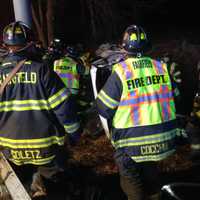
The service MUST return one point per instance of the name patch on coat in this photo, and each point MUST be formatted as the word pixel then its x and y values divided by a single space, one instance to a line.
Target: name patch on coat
pixel 154 148
pixel 145 81
pixel 25 154
pixel 21 77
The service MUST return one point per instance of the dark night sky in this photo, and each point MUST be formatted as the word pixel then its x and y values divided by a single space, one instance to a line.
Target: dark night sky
pixel 6 14
pixel 177 21
pixel 174 18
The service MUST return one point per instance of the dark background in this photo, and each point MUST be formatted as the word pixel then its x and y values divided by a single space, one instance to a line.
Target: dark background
pixel 169 19
pixel 6 14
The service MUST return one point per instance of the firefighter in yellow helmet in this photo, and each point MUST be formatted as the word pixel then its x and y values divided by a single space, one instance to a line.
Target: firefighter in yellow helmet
pixel 36 111
pixel 138 101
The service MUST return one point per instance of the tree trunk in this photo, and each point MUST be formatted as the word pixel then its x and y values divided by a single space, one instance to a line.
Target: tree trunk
pixel 37 21
pixel 43 17
pixel 50 20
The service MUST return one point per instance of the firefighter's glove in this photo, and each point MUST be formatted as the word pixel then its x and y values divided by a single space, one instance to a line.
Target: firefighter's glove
pixel 175 72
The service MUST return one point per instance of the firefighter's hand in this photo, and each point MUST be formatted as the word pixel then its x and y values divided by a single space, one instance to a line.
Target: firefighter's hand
pixel 174 69
pixel 175 72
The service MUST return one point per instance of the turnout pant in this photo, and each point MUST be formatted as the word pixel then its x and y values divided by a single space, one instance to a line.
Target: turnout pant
pixel 139 181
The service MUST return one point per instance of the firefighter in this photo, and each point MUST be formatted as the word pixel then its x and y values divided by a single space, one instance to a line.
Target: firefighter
pixel 138 102
pixel 55 51
pixel 36 112
pixel 70 69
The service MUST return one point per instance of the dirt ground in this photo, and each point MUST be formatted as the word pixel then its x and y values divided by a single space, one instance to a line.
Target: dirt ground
pixel 98 154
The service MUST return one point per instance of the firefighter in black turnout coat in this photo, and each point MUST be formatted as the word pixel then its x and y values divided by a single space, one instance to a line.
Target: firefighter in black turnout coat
pixel 35 110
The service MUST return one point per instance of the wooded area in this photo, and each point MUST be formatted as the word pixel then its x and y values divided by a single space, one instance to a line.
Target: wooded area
pixel 96 21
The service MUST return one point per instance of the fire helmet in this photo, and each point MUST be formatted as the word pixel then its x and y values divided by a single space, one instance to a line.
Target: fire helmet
pixel 57 46
pixel 135 40
pixel 17 33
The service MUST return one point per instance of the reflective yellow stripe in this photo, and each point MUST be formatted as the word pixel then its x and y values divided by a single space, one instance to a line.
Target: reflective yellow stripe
pixel 23 105
pixel 8 63
pixel 108 101
pixel 28 62
pixel 33 161
pixel 31 143
pixel 145 140
pixel 72 128
pixel 58 101
pixel 58 98
pixel 152 157
pixel 41 104
pixel 21 102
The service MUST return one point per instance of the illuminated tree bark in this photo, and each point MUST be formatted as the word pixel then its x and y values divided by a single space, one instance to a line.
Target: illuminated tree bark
pixel 50 20
pixel 43 15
